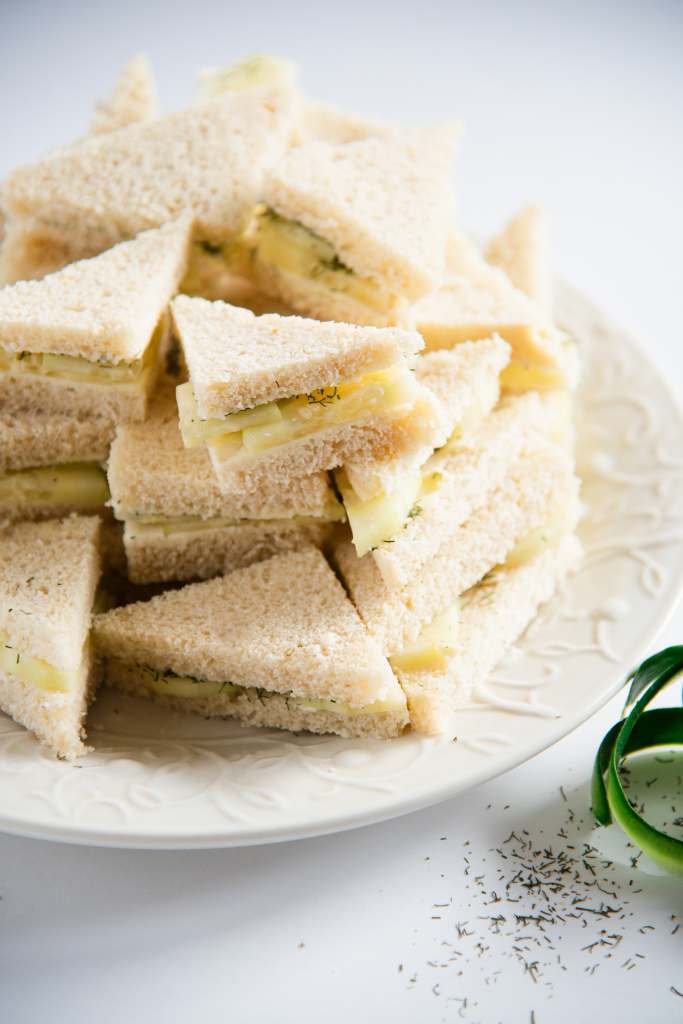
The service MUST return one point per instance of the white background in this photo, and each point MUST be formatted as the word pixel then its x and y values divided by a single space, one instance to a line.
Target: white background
pixel 579 105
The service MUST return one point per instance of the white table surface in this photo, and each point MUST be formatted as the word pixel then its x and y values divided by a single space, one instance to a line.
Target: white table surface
pixel 578 105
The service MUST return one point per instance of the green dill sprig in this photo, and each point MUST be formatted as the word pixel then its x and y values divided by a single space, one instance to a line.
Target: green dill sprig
pixel 324 396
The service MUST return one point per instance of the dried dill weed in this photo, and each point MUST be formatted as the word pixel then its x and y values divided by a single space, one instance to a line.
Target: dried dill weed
pixel 556 910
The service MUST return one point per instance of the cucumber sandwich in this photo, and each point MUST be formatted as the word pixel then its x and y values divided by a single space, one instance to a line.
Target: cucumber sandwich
pixel 286 395
pixel 48 674
pixel 88 340
pixel 382 495
pixel 353 231
pixel 477 300
pixel 275 644
pixel 456 598
pixel 178 525
pixel 531 496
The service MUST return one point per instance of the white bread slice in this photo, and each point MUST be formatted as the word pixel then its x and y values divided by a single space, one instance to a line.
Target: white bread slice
pixel 31 441
pixel 102 308
pixel 284 626
pixel 521 250
pixel 209 159
pixel 152 473
pixel 466 384
pixel 322 122
pixel 133 99
pixel 468 474
pixel 383 203
pixel 493 616
pixel 153 555
pixel 55 396
pixel 305 295
pixel 236 360
pixel 560 414
pixel 48 576
pixel 538 485
pixel 29 251
pixel 478 300
pixel 34 438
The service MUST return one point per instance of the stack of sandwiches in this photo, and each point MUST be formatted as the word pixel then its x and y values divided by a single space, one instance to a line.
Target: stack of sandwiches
pixel 249 357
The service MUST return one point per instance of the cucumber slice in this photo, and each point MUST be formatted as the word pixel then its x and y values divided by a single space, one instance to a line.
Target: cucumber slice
pixel 434 646
pixel 167 684
pixel 292 247
pixel 35 671
pixel 197 431
pixel 79 485
pixel 378 519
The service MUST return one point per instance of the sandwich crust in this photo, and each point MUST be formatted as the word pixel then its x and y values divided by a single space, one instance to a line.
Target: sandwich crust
pixel 34 438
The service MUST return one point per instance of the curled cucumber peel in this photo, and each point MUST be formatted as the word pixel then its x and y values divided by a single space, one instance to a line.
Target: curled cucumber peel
pixel 640 730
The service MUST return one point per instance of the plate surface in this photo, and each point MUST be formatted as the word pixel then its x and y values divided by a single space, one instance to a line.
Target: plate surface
pixel 161 780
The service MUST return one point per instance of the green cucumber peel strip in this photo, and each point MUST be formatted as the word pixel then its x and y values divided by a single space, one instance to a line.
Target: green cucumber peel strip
pixel 640 730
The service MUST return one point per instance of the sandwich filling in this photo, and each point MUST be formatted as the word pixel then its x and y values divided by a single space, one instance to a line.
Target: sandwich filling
pixel 241 436
pixel 210 262
pixel 161 526
pixel 168 684
pixel 521 375
pixel 290 246
pixel 37 672
pixel 134 376
pixel 378 519
pixel 538 351
pixel 549 534
pixel 434 647
pixel 81 485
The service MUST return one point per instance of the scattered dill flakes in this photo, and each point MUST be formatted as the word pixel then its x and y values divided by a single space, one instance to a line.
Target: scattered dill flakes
pixel 545 903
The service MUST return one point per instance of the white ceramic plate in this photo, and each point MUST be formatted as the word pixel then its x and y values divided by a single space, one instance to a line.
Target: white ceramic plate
pixel 161 780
